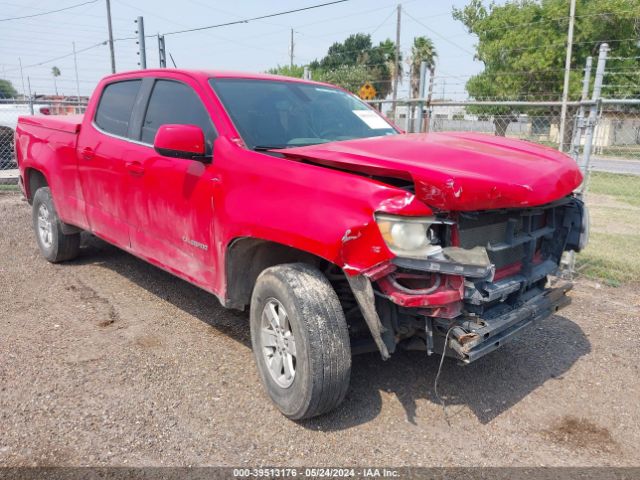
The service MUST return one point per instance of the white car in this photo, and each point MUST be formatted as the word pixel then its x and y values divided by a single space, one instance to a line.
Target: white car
pixel 9 113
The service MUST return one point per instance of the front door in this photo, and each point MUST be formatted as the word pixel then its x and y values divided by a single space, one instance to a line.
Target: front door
pixel 171 198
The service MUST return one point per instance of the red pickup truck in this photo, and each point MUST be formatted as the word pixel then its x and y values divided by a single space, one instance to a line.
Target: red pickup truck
pixel 295 199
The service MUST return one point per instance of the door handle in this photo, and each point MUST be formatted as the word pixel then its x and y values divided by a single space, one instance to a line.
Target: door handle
pixel 87 154
pixel 135 168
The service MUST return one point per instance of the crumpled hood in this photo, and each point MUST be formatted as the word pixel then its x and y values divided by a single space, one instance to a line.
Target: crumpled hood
pixel 456 171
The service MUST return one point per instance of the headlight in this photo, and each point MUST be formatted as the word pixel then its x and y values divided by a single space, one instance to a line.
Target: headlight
pixel 410 236
pixel 584 231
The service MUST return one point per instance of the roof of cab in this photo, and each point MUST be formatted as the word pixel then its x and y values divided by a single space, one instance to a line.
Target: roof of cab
pixel 207 74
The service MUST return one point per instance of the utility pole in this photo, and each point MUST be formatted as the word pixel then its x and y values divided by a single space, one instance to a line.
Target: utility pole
pixel 291 50
pixel 24 91
pixel 142 51
pixel 397 64
pixel 162 52
pixel 567 70
pixel 75 66
pixel 113 54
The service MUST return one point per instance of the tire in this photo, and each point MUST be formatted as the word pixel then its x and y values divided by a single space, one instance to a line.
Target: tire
pixel 315 320
pixel 54 245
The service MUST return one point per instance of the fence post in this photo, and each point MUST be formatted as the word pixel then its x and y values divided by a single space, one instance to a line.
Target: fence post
pixel 421 88
pixel 578 128
pixel 570 259
pixel 593 115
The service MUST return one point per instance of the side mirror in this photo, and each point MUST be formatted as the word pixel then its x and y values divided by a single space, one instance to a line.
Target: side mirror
pixel 181 141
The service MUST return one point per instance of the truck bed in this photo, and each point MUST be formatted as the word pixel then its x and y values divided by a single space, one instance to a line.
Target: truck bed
pixel 62 123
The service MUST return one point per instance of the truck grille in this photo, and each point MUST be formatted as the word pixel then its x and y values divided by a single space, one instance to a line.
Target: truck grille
pixel 483 229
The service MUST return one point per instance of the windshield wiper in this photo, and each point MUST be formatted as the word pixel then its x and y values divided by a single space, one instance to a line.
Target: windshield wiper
pixel 266 148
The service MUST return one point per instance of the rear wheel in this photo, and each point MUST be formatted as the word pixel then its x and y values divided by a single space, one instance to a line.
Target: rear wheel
pixel 54 245
pixel 300 340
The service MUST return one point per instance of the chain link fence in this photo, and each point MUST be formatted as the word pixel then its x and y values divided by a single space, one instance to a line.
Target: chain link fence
pixel 602 135
pixel 10 110
pixel 605 146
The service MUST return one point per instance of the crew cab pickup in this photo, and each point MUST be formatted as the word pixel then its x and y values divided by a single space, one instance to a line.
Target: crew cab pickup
pixel 296 200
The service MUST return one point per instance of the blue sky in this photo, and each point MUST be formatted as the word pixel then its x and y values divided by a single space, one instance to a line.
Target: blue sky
pixel 253 46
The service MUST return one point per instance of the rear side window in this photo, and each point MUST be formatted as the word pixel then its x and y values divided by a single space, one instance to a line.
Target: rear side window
pixel 116 105
pixel 177 103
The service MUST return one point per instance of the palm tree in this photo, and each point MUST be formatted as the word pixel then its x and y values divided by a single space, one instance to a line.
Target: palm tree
pixel 55 71
pixel 388 48
pixel 422 50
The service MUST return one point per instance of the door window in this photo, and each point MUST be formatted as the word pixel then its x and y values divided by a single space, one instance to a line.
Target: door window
pixel 176 103
pixel 116 105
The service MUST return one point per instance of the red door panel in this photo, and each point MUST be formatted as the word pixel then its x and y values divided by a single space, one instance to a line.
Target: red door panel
pixel 171 210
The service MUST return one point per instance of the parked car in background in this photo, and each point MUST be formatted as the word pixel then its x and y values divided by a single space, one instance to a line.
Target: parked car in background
pixel 9 113
pixel 298 201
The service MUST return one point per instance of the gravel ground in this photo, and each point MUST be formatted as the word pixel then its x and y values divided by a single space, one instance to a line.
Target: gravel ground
pixel 109 361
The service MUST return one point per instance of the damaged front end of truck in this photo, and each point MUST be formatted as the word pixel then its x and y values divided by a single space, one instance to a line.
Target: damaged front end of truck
pixel 474 279
pixel 464 247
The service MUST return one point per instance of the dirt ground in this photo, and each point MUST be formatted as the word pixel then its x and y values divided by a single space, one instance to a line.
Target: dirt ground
pixel 109 361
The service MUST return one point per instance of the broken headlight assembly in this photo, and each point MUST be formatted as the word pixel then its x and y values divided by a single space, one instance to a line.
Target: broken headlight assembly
pixel 411 236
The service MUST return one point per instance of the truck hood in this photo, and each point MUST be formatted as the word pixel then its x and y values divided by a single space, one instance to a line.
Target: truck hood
pixel 455 171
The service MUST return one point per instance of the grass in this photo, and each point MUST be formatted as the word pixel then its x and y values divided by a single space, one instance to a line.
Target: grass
pixel 613 259
pixel 613 254
pixel 9 188
pixel 624 152
pixel 625 188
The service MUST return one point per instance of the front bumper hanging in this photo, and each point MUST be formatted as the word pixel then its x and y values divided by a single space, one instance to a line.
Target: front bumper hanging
pixel 472 338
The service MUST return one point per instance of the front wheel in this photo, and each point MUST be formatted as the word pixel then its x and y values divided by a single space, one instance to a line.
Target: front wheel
pixel 300 340
pixel 54 245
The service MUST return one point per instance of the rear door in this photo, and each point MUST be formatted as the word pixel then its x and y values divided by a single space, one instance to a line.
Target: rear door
pixel 101 162
pixel 171 198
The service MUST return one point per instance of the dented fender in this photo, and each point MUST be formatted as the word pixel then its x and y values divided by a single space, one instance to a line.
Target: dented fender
pixel 362 246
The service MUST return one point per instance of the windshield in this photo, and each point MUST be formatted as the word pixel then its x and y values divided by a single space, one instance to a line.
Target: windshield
pixel 281 114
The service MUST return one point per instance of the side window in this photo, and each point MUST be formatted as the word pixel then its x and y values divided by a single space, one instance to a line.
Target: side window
pixel 175 102
pixel 116 105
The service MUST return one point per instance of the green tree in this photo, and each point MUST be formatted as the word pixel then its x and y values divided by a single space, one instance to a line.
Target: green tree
pixel 356 55
pixel 7 90
pixel 349 77
pixel 55 71
pixel 522 46
pixel 288 71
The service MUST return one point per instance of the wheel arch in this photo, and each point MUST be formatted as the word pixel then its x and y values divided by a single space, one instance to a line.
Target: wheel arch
pixel 247 257
pixel 34 179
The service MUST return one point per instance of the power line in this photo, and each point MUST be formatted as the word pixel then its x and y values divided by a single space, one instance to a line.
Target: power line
pixel 47 13
pixel 261 17
pixel 438 34
pixel 60 57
